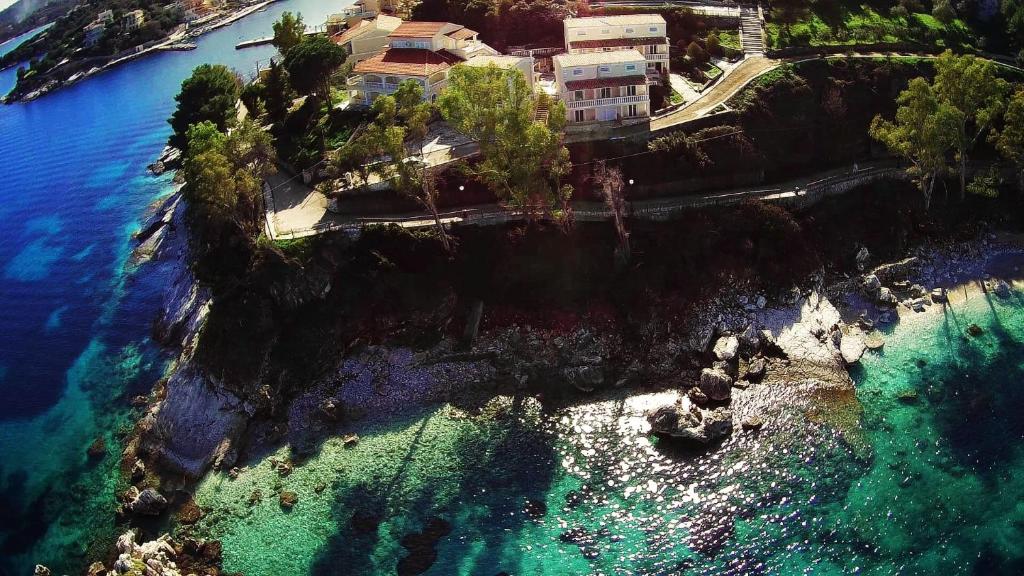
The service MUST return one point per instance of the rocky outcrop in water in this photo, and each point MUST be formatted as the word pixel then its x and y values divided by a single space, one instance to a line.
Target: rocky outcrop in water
pixel 161 557
pixel 687 422
pixel 195 426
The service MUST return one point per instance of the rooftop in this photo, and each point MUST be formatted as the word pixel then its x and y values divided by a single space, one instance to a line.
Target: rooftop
pixel 621 20
pixel 382 22
pixel 407 62
pixel 420 29
pixel 461 34
pixel 596 58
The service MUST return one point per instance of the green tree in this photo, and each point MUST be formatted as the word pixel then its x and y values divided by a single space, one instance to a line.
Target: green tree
pixel 223 175
pixel 289 32
pixel 969 85
pixel 1010 140
pixel 311 63
pixel 695 53
pixel 402 117
pixel 713 44
pixel 922 132
pixel 277 92
pixel 211 93
pixel 521 160
pixel 943 12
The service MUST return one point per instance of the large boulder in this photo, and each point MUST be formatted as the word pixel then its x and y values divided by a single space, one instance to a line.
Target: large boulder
pixel 852 347
pixel 149 502
pixel 756 369
pixel 726 348
pixel 886 297
pixel 715 384
pixel 690 424
pixel 871 285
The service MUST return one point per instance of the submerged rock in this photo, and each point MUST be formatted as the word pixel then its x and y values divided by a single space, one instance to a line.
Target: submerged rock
pixel 422 547
pixel 288 499
pixel 975 330
pixel 97 449
pixel 41 570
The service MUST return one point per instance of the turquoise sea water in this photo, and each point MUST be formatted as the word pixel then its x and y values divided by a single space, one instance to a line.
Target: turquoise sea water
pixel 76 318
pixel 923 485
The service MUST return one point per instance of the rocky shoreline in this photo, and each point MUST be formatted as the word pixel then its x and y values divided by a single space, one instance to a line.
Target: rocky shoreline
pixel 739 353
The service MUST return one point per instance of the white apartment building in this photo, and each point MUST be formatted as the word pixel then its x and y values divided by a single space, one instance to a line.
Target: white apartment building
pixel 133 20
pixel 419 51
pixel 603 86
pixel 646 33
pixel 366 37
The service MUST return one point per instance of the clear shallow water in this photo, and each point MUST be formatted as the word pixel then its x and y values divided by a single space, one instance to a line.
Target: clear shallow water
pixel 883 486
pixel 74 328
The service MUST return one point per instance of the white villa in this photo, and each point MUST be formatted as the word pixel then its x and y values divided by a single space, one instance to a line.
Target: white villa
pixel 133 20
pixel 603 86
pixel 646 33
pixel 420 51
pixel 366 37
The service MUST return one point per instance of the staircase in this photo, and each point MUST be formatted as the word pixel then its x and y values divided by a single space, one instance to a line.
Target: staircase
pixel 751 36
pixel 542 112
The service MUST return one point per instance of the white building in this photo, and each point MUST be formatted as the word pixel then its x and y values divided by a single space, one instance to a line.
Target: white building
pixel 603 86
pixel 366 37
pixel 522 63
pixel 646 33
pixel 419 51
pixel 107 17
pixel 132 20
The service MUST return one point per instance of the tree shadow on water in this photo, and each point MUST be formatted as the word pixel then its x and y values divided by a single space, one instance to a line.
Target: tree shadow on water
pixel 488 470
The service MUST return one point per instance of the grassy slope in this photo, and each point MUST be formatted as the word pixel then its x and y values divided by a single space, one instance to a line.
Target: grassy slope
pixel 864 25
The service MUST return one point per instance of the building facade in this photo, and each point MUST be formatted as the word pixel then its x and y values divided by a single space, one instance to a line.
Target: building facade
pixel 603 86
pixel 420 51
pixel 133 20
pixel 94 32
pixel 645 33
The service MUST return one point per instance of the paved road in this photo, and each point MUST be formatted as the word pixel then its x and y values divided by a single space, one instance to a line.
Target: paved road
pixel 306 216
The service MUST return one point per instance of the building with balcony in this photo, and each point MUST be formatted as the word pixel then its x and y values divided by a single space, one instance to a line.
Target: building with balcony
pixel 420 51
pixel 603 86
pixel 133 20
pixel 646 33
pixel 106 17
pixel 366 37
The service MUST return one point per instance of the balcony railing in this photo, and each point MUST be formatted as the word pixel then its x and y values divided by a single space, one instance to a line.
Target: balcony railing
pixel 656 56
pixel 574 104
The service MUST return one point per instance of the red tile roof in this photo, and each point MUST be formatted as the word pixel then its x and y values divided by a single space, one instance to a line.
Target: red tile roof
pixel 342 37
pixel 407 62
pixel 613 42
pixel 418 29
pixel 461 34
pixel 603 82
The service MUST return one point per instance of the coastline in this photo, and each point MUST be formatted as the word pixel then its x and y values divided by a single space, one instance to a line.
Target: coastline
pixel 218 440
pixel 162 45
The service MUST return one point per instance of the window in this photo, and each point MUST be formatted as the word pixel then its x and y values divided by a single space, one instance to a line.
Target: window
pixel 604 69
pixel 577 72
pixel 606 92
pixel 630 90
pixel 577 95
pixel 629 30
pixel 605 31
pixel 630 67
pixel 578 116
pixel 581 33
pixel 653 28
pixel 631 110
